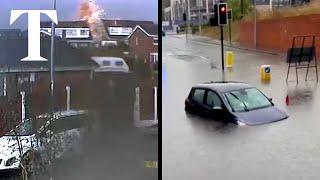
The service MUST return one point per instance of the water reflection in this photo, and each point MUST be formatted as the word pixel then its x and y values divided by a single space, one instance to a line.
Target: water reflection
pixel 299 95
pixel 211 125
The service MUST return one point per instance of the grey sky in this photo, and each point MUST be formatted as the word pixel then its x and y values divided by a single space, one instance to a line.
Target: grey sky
pixel 68 10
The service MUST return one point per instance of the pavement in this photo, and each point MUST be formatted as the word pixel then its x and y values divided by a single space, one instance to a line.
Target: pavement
pixel 197 148
pixel 207 40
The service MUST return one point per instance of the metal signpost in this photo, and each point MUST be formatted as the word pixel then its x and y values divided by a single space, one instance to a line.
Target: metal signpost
pixel 222 54
pixel 230 20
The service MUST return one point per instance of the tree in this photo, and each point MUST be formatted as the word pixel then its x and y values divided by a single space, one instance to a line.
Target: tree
pixel 235 5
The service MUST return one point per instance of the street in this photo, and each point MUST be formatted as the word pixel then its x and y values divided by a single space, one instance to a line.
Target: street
pixel 198 148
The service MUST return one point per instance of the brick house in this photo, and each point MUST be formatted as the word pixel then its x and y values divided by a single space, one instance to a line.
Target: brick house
pixel 77 33
pixel 72 68
pixel 143 44
pixel 109 92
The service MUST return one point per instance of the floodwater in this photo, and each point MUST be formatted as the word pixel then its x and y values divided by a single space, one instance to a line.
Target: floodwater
pixel 198 148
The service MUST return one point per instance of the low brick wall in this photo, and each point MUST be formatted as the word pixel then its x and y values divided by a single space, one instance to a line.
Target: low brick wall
pixel 277 34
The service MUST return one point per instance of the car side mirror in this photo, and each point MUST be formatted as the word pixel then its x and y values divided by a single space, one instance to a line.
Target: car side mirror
pixel 217 108
pixel 270 99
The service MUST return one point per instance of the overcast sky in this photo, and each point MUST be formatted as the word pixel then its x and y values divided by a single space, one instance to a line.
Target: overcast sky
pixel 69 10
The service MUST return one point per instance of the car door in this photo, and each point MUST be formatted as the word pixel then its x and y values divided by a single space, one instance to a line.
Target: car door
pixel 198 100
pixel 213 105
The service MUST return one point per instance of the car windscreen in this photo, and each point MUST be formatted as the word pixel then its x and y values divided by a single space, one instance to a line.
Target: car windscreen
pixel 106 63
pixel 247 99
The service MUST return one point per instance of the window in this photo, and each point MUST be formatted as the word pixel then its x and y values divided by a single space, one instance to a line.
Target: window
pixel 59 32
pixel 119 63
pixel 106 63
pixel 155 41
pixel 84 32
pixel 154 57
pixel 198 95
pixel 71 32
pixel 137 41
pixel 74 45
pixel 2 84
pixel 213 100
pixel 83 45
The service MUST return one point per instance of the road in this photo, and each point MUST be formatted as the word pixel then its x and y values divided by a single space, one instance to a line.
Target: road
pixel 197 148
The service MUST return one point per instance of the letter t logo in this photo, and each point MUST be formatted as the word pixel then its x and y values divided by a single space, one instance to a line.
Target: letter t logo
pixel 33 30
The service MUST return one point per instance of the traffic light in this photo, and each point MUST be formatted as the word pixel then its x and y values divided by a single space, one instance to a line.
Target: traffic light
pixel 214 18
pixel 222 14
pixel 230 14
pixel 184 17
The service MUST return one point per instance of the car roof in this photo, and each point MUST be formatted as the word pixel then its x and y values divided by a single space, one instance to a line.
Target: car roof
pixel 223 86
pixel 104 58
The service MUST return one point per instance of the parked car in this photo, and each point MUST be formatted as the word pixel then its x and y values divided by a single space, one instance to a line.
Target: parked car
pixel 66 128
pixel 233 102
pixel 111 64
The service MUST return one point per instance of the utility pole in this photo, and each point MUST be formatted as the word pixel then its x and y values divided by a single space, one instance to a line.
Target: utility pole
pixel 53 32
pixel 229 32
pixel 199 4
pixel 207 10
pixel 189 16
pixel 199 20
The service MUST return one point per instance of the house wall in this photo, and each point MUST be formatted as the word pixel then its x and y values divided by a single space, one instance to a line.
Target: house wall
pixel 277 34
pixel 142 50
pixel 111 94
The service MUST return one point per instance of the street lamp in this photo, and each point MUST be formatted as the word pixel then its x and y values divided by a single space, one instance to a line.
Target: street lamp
pixel 53 32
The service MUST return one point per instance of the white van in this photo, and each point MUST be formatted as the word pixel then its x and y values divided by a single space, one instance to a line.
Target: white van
pixel 110 64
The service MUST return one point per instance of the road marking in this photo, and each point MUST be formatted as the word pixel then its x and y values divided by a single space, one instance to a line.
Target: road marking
pixel 204 58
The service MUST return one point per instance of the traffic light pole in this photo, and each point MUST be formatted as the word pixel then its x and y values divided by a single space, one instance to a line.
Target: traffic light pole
pixel 229 32
pixel 222 54
pixel 185 29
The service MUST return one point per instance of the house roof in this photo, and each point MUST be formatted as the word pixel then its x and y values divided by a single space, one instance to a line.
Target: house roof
pixel 148 25
pixel 65 24
pixel 10 33
pixel 107 23
pixel 149 30
pixel 125 23
pixel 12 50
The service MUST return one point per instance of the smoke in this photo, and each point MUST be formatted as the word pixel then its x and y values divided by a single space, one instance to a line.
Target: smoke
pixel 93 15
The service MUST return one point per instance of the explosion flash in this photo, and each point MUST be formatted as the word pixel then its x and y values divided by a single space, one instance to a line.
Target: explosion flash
pixel 93 14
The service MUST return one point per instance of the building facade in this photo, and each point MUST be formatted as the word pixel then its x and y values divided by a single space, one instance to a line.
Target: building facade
pixel 77 33
pixel 143 44
pixel 200 10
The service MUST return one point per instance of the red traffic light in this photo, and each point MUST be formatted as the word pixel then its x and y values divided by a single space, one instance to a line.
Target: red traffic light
pixel 223 9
